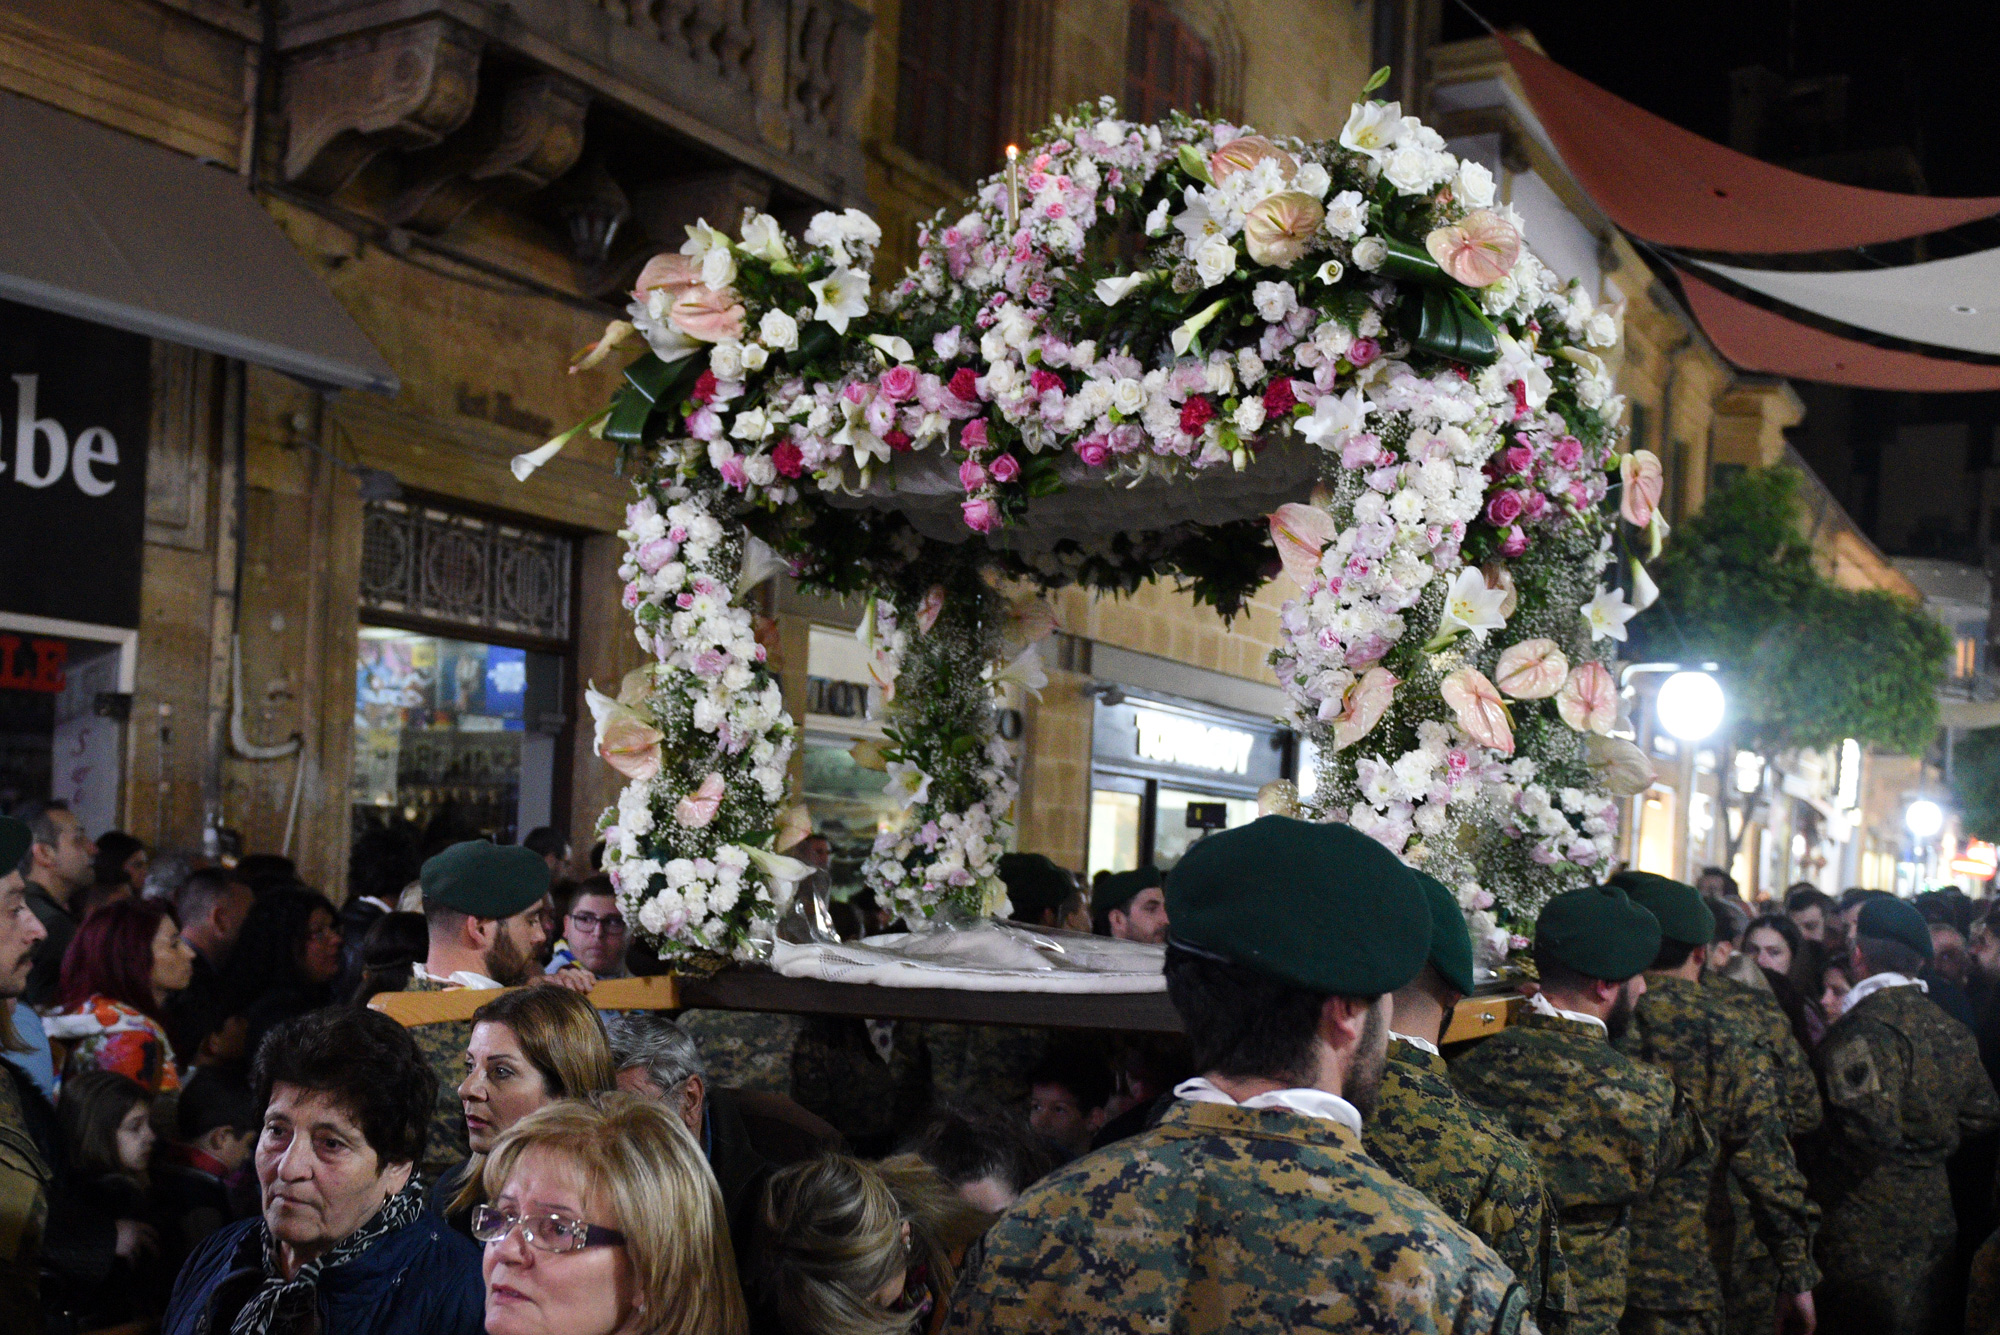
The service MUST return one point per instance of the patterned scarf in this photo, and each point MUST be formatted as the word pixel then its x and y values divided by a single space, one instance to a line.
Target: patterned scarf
pixel 277 1292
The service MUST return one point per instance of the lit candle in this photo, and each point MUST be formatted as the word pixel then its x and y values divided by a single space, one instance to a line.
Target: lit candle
pixel 1013 188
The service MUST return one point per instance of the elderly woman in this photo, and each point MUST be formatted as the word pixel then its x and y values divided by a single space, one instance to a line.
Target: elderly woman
pixel 604 1218
pixel 344 1243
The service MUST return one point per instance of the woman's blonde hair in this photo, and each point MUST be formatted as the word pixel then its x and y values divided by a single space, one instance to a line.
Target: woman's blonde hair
pixel 829 1236
pixel 562 1037
pixel 663 1199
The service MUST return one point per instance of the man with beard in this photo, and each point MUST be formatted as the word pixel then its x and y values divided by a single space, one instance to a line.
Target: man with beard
pixel 1606 1129
pixel 483 909
pixel 24 1173
pixel 1252 1207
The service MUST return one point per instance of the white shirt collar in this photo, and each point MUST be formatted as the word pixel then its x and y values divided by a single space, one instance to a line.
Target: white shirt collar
pixel 1879 982
pixel 1307 1102
pixel 1421 1044
pixel 1541 1005
pixel 458 978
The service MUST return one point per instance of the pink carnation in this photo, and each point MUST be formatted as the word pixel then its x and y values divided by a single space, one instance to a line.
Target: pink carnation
pixel 1568 453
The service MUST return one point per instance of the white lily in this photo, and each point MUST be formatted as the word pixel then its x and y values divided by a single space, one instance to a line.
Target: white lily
pixel 908 784
pixel 1470 605
pixel 711 248
pixel 898 348
pixel 759 564
pixel 1025 671
pixel 1373 128
pixel 842 295
pixel 854 434
pixel 1111 291
pixel 764 239
pixel 1334 418
pixel 1607 613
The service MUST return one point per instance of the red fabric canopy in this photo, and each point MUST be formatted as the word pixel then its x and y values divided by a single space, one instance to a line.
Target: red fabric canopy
pixel 1760 340
pixel 1662 183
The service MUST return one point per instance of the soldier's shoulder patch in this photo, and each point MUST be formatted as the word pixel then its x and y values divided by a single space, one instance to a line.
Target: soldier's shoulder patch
pixel 1851 1073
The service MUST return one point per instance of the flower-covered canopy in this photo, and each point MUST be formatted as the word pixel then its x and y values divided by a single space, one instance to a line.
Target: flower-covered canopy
pixel 1172 350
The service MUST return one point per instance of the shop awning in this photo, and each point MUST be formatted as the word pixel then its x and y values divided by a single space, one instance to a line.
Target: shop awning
pixel 114 230
pixel 1765 341
pixel 1674 188
pixel 1951 303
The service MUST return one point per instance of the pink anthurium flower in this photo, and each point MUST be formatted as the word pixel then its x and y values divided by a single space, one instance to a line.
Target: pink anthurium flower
pixel 1623 769
pixel 1030 620
pixel 1302 533
pixel 625 739
pixel 1478 250
pixel 1531 670
pixel 1480 710
pixel 1246 151
pixel 1644 480
pixel 1278 230
pixel 1367 699
pixel 698 808
pixel 930 608
pixel 1588 701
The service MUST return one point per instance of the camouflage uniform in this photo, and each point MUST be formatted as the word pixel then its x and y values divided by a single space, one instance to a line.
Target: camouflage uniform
pixel 1462 1156
pixel 1239 1220
pixel 1683 1238
pixel 1607 1129
pixel 1903 1086
pixel 745 1049
pixel 25 1184
pixel 443 1045
pixel 839 1074
pixel 984 1062
pixel 1982 1297
pixel 1749 1275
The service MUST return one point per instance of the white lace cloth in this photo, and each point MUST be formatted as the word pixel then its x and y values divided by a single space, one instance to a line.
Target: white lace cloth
pixel 998 957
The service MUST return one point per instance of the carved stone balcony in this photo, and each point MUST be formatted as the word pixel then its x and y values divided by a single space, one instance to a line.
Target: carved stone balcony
pixel 656 111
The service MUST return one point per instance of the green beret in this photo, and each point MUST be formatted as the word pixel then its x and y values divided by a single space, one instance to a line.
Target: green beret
pixel 1121 888
pixel 1892 919
pixel 14 840
pixel 1684 918
pixel 486 880
pixel 1599 932
pixel 1033 883
pixel 1451 943
pixel 1319 906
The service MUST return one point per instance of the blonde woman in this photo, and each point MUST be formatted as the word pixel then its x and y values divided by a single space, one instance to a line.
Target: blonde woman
pixel 528 1048
pixel 604 1218
pixel 843 1247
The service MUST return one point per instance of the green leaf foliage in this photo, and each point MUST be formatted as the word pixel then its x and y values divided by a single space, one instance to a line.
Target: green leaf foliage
pixel 1805 662
pixel 1976 782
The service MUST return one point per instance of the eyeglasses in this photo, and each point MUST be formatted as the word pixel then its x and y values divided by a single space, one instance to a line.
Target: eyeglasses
pixel 611 924
pixel 543 1232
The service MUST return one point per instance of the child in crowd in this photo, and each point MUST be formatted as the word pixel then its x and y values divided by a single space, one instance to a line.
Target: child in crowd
pixel 218 1129
pixel 101 1261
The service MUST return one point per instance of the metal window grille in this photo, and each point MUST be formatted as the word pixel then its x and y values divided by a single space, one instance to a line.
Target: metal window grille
pixel 420 560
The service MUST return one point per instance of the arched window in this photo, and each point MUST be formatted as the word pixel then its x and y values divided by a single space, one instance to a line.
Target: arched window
pixel 951 81
pixel 1167 67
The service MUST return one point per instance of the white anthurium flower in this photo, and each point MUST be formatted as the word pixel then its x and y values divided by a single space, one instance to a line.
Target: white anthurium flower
pixel 759 564
pixel 898 348
pixel 1644 592
pixel 1184 333
pixel 1334 418
pixel 1111 291
pixel 1025 671
pixel 908 784
pixel 1470 605
pixel 842 295
pixel 763 238
pixel 1373 128
pixel 711 249
pixel 1607 613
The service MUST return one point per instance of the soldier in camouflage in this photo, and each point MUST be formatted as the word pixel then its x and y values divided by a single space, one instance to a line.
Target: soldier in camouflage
pixel 1457 1153
pixel 1252 1208
pixel 1682 1239
pixel 1903 1087
pixel 1605 1128
pixel 745 1049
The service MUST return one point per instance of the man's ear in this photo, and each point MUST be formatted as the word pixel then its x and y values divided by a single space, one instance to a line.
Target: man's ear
pixel 478 934
pixel 1341 1021
pixel 693 1093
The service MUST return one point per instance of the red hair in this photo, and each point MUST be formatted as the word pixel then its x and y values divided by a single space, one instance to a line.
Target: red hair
pixel 111 955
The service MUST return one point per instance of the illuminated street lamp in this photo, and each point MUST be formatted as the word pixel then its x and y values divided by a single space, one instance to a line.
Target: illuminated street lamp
pixel 1923 818
pixel 1690 705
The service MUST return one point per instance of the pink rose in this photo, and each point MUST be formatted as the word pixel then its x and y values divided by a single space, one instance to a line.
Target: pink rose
pixel 1519 458
pixel 1503 509
pixel 1568 453
pixel 981 515
pixel 1363 351
pixel 1514 543
pixel 971 476
pixel 972 436
pixel 1093 450
pixel 1534 505
pixel 1005 469
pixel 898 383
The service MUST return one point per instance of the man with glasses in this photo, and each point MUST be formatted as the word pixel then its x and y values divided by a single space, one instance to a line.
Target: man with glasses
pixel 594 932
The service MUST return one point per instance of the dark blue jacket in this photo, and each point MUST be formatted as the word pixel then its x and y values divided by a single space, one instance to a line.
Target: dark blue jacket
pixel 419 1280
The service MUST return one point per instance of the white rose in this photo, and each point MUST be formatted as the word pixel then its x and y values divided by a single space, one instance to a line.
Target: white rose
pixel 1370 252
pixel 1347 215
pixel 726 360
pixel 1274 301
pixel 760 470
pixel 1129 397
pixel 1221 374
pixel 1214 260
pixel 1602 329
pixel 1474 187
pixel 754 356
pixel 778 330
pixel 1312 179
pixel 1410 169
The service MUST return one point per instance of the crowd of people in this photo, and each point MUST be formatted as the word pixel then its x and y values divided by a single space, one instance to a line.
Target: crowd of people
pixel 1709 1116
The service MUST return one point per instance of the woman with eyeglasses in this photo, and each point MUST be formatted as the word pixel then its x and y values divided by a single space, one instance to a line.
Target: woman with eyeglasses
pixel 603 1217
pixel 529 1048
pixel 285 961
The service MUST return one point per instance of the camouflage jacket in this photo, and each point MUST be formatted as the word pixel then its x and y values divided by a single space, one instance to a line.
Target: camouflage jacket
pixel 1605 1128
pixel 745 1049
pixel 1903 1086
pixel 1798 1087
pixel 984 1062
pixel 1239 1220
pixel 1462 1156
pixel 840 1075
pixel 25 1183
pixel 443 1045
pixel 1682 1239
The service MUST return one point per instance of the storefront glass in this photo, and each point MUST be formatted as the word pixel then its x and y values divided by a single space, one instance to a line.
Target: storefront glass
pixel 442 736
pixel 61 729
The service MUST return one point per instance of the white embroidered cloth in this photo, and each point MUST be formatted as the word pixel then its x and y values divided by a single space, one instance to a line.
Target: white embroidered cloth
pixel 997 957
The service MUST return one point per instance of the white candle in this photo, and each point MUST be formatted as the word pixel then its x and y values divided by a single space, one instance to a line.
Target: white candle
pixel 1013 189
